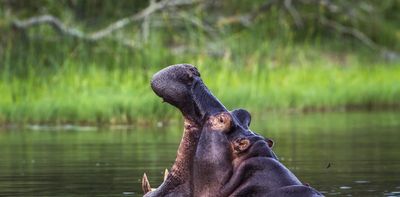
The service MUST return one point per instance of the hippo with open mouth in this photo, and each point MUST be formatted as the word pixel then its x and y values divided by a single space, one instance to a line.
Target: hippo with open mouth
pixel 218 155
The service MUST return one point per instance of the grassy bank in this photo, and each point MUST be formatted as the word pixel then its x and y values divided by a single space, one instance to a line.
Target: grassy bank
pixel 269 65
pixel 95 94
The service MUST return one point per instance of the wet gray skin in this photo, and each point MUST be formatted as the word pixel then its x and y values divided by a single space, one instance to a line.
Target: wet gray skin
pixel 218 155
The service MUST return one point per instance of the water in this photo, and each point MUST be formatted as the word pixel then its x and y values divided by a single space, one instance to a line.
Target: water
pixel 340 154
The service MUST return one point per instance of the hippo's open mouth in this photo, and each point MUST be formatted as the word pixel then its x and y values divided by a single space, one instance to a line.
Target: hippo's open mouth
pixel 181 86
pixel 218 155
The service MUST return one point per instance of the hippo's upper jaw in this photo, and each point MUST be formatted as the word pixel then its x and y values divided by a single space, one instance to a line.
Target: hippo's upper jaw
pixel 219 155
pixel 181 86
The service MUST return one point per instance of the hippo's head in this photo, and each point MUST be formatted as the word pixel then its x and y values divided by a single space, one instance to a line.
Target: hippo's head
pixel 219 155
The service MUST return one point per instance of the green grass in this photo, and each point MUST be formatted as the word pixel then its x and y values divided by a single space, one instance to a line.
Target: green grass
pixel 94 94
pixel 57 80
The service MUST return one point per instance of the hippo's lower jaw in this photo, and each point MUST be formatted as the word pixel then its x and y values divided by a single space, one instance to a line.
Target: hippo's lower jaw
pixel 218 155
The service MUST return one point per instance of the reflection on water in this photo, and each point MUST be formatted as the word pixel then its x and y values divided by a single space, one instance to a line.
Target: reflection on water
pixel 353 154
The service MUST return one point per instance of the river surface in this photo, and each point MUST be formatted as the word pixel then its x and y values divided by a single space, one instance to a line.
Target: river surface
pixel 340 154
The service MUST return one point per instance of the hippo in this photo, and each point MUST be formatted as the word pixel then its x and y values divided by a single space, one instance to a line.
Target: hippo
pixel 218 155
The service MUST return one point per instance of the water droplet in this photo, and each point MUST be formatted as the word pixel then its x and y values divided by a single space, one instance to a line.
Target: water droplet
pixel 128 193
pixel 361 181
pixel 345 187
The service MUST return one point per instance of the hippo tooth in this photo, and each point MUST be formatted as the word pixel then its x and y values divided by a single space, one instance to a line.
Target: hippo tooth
pixel 166 174
pixel 145 184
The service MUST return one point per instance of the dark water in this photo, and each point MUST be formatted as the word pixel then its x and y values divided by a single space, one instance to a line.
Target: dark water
pixel 362 150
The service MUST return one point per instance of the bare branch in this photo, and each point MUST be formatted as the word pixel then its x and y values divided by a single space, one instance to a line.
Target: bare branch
pixel 54 22
pixel 146 24
pixel 61 28
pixel 199 23
pixel 351 31
pixel 263 8
pixel 248 18
pixel 153 7
pixel 329 5
pixel 293 12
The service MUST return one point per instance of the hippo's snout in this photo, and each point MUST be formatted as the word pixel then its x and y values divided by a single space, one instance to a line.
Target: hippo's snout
pixel 173 76
pixel 173 84
pixel 181 86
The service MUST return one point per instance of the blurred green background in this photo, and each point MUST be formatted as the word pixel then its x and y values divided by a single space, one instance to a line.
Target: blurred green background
pixel 91 61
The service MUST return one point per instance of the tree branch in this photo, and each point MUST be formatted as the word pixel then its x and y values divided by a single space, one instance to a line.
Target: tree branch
pixel 248 18
pixel 293 12
pixel 61 28
pixel 51 20
pixel 153 7
pixel 198 23
pixel 351 31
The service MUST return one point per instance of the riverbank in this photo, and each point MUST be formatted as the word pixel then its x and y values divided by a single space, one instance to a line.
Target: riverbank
pixel 60 64
pixel 99 96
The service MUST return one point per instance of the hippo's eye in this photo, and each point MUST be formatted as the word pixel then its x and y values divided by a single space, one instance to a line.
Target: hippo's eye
pixel 221 122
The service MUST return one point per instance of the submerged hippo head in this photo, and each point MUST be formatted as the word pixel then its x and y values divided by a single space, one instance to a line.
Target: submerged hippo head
pixel 218 155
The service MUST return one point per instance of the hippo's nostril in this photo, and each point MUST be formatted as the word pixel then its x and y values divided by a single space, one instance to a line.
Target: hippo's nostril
pixel 269 142
pixel 190 76
pixel 192 72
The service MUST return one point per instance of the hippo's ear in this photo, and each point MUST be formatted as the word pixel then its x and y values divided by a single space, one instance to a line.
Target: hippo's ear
pixel 243 116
